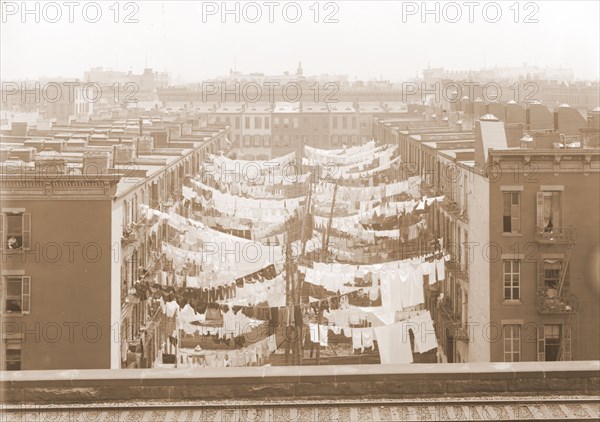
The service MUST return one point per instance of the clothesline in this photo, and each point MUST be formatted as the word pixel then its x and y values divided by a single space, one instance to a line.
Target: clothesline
pixel 367 193
pixel 223 199
pixel 247 356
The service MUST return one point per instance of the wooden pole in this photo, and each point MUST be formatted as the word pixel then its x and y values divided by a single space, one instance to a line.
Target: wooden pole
pixel 319 335
pixel 330 221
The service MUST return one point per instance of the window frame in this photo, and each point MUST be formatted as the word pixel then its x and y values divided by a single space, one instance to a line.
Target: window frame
pixel 513 217
pixel 543 341
pixel 513 340
pixel 25 295
pixel 12 344
pixel 24 234
pixel 513 284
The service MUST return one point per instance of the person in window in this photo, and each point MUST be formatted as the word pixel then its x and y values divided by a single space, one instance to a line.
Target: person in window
pixel 13 243
pixel 13 306
pixel 549 227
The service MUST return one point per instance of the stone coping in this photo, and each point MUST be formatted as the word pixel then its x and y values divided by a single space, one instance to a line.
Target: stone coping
pixel 294 382
pixel 499 370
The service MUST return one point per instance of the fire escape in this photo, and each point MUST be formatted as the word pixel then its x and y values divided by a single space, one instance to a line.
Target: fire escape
pixel 554 295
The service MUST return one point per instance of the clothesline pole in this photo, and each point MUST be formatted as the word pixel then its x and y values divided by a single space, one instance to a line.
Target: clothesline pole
pixel 330 222
pixel 288 298
pixel 319 335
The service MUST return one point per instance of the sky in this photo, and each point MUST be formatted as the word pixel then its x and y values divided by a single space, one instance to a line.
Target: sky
pixel 392 40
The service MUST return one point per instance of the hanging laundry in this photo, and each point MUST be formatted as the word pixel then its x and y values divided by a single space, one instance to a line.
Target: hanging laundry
pixel 367 338
pixel 423 331
pixel 394 347
pixel 171 308
pixel 324 335
pixel 357 339
pixel 314 332
pixel 440 267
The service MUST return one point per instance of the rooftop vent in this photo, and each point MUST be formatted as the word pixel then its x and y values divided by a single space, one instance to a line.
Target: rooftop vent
pixel 489 118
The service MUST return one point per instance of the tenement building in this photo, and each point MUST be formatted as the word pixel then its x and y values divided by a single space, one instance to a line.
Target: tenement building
pixel 519 223
pixel 81 223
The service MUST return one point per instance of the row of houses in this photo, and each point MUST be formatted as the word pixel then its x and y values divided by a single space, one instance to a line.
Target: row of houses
pixel 520 222
pixel 265 130
pixel 76 237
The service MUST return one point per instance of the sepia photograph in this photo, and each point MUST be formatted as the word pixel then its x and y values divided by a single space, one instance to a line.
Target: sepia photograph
pixel 299 211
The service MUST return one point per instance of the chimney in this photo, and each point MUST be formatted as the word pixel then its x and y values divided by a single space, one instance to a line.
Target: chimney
pixel 50 166
pixel 161 138
pixel 96 163
pixel 123 153
pixel 145 145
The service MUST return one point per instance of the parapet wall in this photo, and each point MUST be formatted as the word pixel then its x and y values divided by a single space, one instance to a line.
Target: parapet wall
pixel 301 383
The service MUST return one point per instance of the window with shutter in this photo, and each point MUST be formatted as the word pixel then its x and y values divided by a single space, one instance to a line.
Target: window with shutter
pixel 515 212
pixel 26 294
pixel 506 213
pixel 541 344
pixel 566 343
pixel 2 231
pixel 540 210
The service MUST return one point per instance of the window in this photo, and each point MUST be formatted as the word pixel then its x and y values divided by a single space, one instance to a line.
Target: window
pixel 257 122
pixel 353 122
pixel 512 279
pixel 247 141
pixel 325 123
pixel 548 210
pixel 335 123
pixel 17 294
pixel 344 122
pixel 551 276
pixel 335 140
pixel 267 140
pixel 286 140
pixel 13 355
pixel 286 123
pixel 276 122
pixel 512 343
pixel 549 343
pixel 257 140
pixel 237 122
pixel 247 122
pixel 511 212
pixel 276 140
pixel 266 123
pixel 295 121
pixel 15 231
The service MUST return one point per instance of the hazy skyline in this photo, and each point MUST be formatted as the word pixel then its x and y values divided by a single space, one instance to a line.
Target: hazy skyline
pixel 369 41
